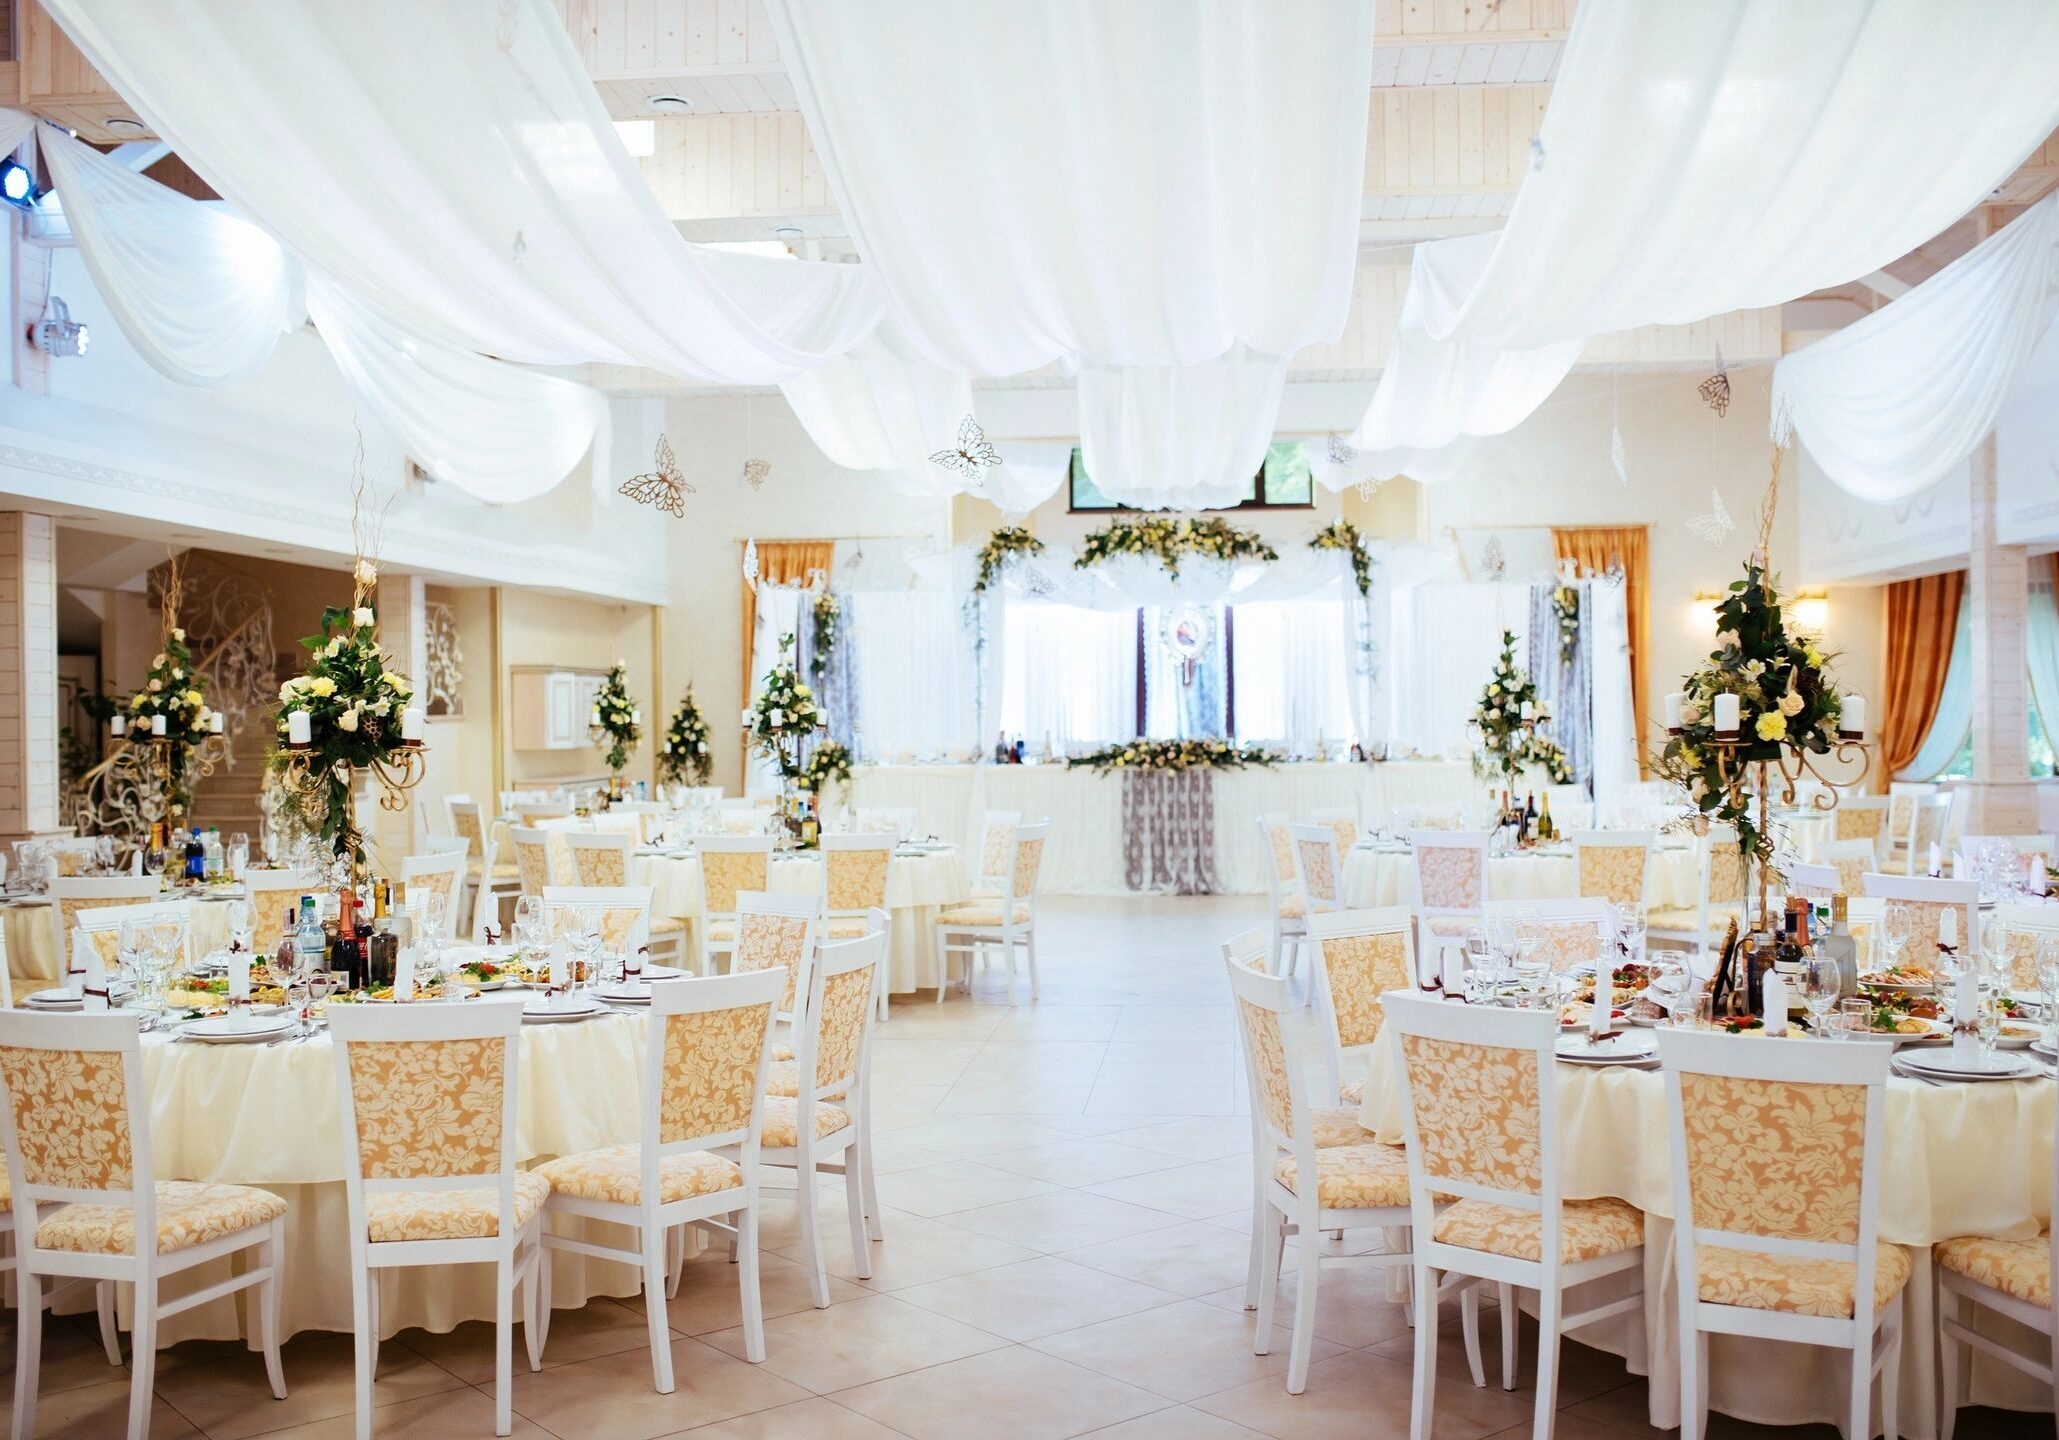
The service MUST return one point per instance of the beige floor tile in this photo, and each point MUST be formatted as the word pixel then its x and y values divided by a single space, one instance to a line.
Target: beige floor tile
pixel 600 1327
pixel 914 1252
pixel 1011 1097
pixel 1061 1220
pixel 1038 1297
pixel 1207 1095
pixel 1178 1422
pixel 1182 1351
pixel 1194 1191
pixel 610 1398
pixel 1204 1138
pixel 1044 1021
pixel 1161 1023
pixel 957 1185
pixel 1191 1260
pixel 1082 1160
pixel 859 1342
pixel 906 1107
pixel 1092 1126
pixel 1011 1394
pixel 708 1298
pixel 1584 1372
pixel 892 1150
pixel 1359 1394
pixel 433 1417
pixel 72 1356
pixel 231 1398
pixel 1351 1306
pixel 96 1412
pixel 973 1137
pixel 807 1420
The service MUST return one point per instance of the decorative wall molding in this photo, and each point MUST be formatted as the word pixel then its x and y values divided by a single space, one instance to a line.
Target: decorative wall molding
pixel 443 671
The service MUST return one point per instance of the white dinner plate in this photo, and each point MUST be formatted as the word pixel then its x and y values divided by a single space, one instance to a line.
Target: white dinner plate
pixel 232 1030
pixel 661 972
pixel 540 1011
pixel 1948 1064
pixel 1622 1047
pixel 624 994
pixel 54 1000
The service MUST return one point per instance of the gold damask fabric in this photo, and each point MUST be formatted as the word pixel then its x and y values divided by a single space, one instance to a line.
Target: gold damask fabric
pixel 1689 918
pixel 1477 1112
pixel 1029 858
pixel 850 927
pixel 1614 873
pixel 1336 1125
pixel 1797 1287
pixel 857 879
pixel 1352 1177
pixel 1282 840
pixel 615 1175
pixel 1728 878
pixel 1318 875
pixel 768 940
pixel 1775 1157
pixel 1361 969
pixel 268 912
pixel 1269 1062
pixel 617 922
pixel 982 915
pixel 69 906
pixel 435 883
pixel 1294 907
pixel 993 852
pixel 1852 871
pixel 711 1071
pixel 534 863
pixel 597 865
pixel 1921 952
pixel 783 1077
pixel 70 1116
pixel 724 872
pixel 1564 945
pixel 2022 947
pixel 1449 876
pixel 451 1214
pixel 846 1003
pixel 783 1122
pixel 2022 1268
pixel 1864 823
pixel 1588 1229
pixel 1352 1093
pixel 188 1214
pixel 428 1107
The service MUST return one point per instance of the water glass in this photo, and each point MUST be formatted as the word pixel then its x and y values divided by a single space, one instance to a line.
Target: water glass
pixel 1670 985
pixel 1987 1024
pixel 1855 1015
pixel 237 858
pixel 1897 927
pixel 1820 987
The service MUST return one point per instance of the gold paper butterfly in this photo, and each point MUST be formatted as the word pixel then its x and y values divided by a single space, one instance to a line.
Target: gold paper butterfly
pixel 665 487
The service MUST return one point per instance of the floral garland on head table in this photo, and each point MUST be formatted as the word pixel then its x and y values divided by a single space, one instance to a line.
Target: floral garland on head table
pixel 616 720
pixel 1343 535
pixel 1173 755
pixel 827 764
pixel 1168 540
pixel 784 713
pixel 1508 717
pixel 825 611
pixel 1002 546
pixel 686 758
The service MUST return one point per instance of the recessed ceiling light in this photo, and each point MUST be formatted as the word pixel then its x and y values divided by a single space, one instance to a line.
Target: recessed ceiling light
pixel 668 102
pixel 787 232
pixel 127 124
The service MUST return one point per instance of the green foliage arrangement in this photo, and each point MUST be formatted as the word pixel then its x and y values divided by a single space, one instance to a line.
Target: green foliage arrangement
pixel 1341 534
pixel 1170 540
pixel 615 718
pixel 1173 755
pixel 686 758
pixel 1509 717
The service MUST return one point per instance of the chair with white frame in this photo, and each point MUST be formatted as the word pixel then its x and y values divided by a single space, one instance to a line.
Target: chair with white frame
pixel 487 876
pixel 625 913
pixel 1926 900
pixel 778 930
pixel 997 833
pixel 76 1124
pixel 1904 799
pixel 1570 935
pixel 1359 955
pixel 601 858
pixel 855 870
pixel 1613 865
pixel 1863 817
pixel 1318 867
pixel 441 875
pixel 532 858
pixel 1926 837
pixel 1007 923
pixel 1853 860
pixel 1480 1110
pixel 1811 882
pixel 428 1101
pixel 2029 936
pixel 1808 1265
pixel 729 865
pixel 1451 885
pixel 704 1065
pixel 71 897
pixel 1286 906
pixel 1301 1186
pixel 274 896
pixel 824 1129
pixel 1721 884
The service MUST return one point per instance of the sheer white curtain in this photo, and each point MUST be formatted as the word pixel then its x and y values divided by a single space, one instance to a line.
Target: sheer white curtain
pixel 778 615
pixel 1293 670
pixel 1615 730
pixel 912 673
pixel 1445 640
pixel 1068 673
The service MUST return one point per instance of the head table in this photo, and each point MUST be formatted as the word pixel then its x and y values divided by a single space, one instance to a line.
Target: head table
pixel 1968 1159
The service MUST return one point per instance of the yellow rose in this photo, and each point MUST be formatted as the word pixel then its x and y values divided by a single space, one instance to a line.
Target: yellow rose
pixel 322 686
pixel 193 698
pixel 1772 725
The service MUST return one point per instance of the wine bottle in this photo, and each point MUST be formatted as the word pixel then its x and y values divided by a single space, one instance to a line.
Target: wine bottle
pixel 1839 946
pixel 382 947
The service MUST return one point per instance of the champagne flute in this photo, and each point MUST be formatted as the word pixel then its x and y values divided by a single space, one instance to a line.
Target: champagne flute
pixel 1671 982
pixel 241 919
pixel 1897 926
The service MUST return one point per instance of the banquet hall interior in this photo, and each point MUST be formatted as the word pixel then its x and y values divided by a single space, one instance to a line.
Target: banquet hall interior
pixel 1179 720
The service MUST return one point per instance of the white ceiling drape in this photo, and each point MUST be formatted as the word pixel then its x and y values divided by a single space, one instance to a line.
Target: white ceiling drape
pixel 1149 185
pixel 1892 403
pixel 1180 436
pixel 455 161
pixel 1698 159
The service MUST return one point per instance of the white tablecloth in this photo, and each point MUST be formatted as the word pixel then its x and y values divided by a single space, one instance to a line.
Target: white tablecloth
pixel 32 948
pixel 1388 877
pixel 1961 1160
pixel 1084 854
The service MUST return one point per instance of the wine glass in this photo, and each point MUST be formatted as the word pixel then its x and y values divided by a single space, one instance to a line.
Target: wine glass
pixel 240 918
pixel 1897 927
pixel 237 857
pixel 1987 1024
pixel 588 931
pixel 1670 984
pixel 1821 987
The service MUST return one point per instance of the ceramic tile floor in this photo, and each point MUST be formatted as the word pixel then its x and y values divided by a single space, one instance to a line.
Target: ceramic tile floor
pixel 1066 1188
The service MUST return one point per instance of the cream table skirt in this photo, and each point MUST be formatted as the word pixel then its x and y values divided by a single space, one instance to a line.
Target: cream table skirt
pixel 1961 1160
pixel 269 1116
pixel 32 947
pixel 1379 876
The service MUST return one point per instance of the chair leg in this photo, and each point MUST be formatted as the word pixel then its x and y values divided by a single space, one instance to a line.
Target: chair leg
pixel 142 1353
pixel 1701 1368
pixel 1859 1422
pixel 654 1304
pixel 271 1255
pixel 1954 1357
pixel 854 1206
pixel 1007 948
pixel 1269 1278
pixel 532 1290
pixel 875 1226
pixel 543 1289
pixel 943 971
pixel 1310 1255
pixel 811 1233
pixel 1255 1266
pixel 110 1334
pixel 1423 1400
pixel 1551 1302
pixel 504 1343
pixel 747 1282
pixel 1469 1327
pixel 1891 1376
pixel 1509 1319
pixel 1030 949
pixel 366 1343
pixel 28 1350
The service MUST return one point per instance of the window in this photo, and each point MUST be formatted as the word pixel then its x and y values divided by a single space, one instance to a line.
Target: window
pixel 2041 756
pixel 1284 481
pixel 1068 674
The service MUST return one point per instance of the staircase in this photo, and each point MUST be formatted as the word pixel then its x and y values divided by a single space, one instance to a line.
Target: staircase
pixel 231 799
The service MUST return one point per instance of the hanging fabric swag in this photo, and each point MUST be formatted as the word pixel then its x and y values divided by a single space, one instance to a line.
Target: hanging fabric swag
pixel 1922 627
pixel 1619 549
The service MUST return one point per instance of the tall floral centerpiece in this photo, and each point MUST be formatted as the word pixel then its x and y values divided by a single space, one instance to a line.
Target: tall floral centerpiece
pixel 783 715
pixel 1510 719
pixel 350 711
pixel 829 763
pixel 617 723
pixel 171 715
pixel 685 758
pixel 825 615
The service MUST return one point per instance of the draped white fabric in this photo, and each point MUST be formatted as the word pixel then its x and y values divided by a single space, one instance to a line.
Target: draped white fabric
pixel 882 406
pixel 1445 639
pixel 1954 719
pixel 2043 653
pixel 1068 673
pixel 1616 739
pixel 1194 194
pixel 911 672
pixel 456 161
pixel 1698 159
pixel 1894 402
pixel 1292 670
pixel 497 431
pixel 203 294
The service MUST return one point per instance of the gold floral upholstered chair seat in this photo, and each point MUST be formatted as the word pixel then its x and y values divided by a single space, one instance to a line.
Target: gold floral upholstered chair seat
pixel 188 1214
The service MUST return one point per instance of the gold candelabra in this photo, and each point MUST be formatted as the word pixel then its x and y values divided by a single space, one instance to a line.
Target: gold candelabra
pixel 1740 775
pixel 316 789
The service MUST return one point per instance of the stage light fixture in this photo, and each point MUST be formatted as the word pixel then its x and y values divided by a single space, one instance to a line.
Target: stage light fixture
pixel 57 334
pixel 17 184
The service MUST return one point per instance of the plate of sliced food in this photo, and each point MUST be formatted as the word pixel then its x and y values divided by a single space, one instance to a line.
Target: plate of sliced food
pixel 1898 977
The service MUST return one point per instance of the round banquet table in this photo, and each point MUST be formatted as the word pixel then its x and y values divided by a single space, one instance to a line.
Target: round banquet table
pixel 268 1115
pixel 1386 875
pixel 918 886
pixel 1970 1159
pixel 32 949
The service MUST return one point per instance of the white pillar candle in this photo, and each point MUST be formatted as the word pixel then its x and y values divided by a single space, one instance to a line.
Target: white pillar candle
pixel 1529 709
pixel 118 727
pixel 746 721
pixel 596 715
pixel 299 730
pixel 1851 721
pixel 157 724
pixel 1726 714
pixel 216 723
pixel 1675 704
pixel 411 721
pixel 636 717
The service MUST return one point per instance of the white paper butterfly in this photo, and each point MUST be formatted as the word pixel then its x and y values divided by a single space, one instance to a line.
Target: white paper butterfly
pixel 973 456
pixel 1715 527
pixel 750 562
pixel 1616 457
pixel 755 472
pixel 1341 451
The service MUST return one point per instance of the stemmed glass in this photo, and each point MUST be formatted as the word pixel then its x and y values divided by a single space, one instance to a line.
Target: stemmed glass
pixel 237 857
pixel 528 927
pixel 431 911
pixel 129 947
pixel 1821 987
pixel 1897 926
pixel 2048 986
pixel 586 938
pixel 1987 1024
pixel 240 918
pixel 1670 983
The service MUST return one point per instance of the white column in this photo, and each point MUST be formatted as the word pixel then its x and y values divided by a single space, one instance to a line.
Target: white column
pixel 29 780
pixel 2001 798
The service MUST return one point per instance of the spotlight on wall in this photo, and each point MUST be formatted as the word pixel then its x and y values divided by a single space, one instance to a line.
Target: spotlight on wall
pixel 57 333
pixel 17 184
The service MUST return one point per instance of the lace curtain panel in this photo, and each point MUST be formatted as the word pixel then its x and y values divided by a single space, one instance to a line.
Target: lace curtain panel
pixel 1168 831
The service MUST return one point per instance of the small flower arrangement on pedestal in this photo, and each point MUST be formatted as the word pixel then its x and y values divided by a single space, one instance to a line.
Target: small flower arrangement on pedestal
pixel 784 713
pixel 827 764
pixel 1508 717
pixel 171 710
pixel 617 722
pixel 686 758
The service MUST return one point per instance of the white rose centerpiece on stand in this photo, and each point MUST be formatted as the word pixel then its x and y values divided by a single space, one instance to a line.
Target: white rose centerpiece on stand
pixel 686 758
pixel 1510 719
pixel 780 720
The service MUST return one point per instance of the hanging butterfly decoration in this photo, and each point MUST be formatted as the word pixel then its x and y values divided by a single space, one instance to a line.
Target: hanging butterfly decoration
pixel 755 472
pixel 1365 488
pixel 1715 527
pixel 1493 561
pixel 751 561
pixel 1715 391
pixel 664 488
pixel 972 457
pixel 1616 456
pixel 1340 450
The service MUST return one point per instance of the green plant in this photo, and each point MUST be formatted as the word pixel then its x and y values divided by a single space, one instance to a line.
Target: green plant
pixel 827 764
pixel 615 718
pixel 1173 755
pixel 1002 546
pixel 784 713
pixel 1168 540
pixel 1341 534
pixel 824 612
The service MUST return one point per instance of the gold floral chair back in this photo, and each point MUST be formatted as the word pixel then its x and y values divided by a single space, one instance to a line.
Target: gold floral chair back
pixel 1853 867
pixel 1901 811
pixel 995 841
pixel 1612 866
pixel 1029 859
pixel 1476 1100
pixel 711 1037
pixel 1276 1081
pixel 1565 944
pixel 2023 933
pixel 72 897
pixel 1451 870
pixel 1364 954
pixel 620 922
pixel 601 859
pixel 102 927
pixel 1931 815
pixel 1344 827
pixel 435 874
pixel 467 824
pixel 532 858
pixel 273 896
pixel 1729 877
pixel 1315 865
pixel 840 1011
pixel 68 1100
pixel 1859 821
pixel 726 871
pixel 1281 838
pixel 855 871
pixel 1924 918
pixel 775 932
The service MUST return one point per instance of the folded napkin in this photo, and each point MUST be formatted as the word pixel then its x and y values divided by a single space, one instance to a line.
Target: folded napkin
pixel 1604 999
pixel 560 964
pixel 88 974
pixel 404 974
pixel 1773 1003
pixel 239 976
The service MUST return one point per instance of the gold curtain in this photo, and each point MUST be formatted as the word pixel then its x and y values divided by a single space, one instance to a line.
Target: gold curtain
pixel 1922 620
pixel 1596 549
pixel 780 562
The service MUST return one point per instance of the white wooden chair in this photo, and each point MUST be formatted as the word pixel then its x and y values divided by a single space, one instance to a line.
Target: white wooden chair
pixel 625 912
pixel 76 1124
pixel 778 931
pixel 1776 1159
pixel 274 897
pixel 1929 818
pixel 1863 817
pixel 1926 899
pixel 1481 1124
pixel 1451 885
pixel 1613 865
pixel 823 1128
pixel 73 896
pixel 1904 799
pixel 1286 906
pixel 532 858
pixel 1853 860
pixel 997 833
pixel 1359 956
pixel 706 1052
pixel 487 876
pixel 2021 931
pixel 1571 935
pixel 602 858
pixel 441 874
pixel 102 927
pixel 428 1102
pixel 1318 867
pixel 1007 923
pixel 1721 881
pixel 729 865
pixel 1304 1186
pixel 854 888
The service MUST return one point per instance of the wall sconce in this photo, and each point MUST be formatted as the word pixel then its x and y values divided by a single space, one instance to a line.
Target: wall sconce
pixel 1701 614
pixel 1811 612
